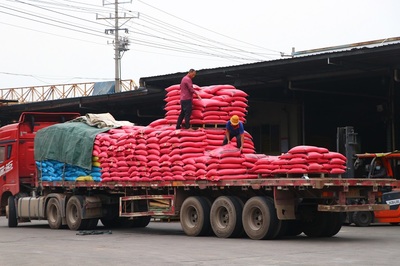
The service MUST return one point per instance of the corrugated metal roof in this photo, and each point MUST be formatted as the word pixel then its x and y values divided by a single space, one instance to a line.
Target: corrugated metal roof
pixel 348 47
pixel 355 61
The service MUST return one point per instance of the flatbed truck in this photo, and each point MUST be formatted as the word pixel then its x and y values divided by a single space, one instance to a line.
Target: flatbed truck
pixel 261 208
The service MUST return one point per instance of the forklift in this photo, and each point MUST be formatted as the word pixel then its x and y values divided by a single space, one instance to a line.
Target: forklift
pixel 363 166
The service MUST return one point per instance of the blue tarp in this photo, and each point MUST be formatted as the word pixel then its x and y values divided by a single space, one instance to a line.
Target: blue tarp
pixel 106 87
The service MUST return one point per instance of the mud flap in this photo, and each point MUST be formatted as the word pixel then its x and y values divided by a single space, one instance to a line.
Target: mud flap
pixel 284 204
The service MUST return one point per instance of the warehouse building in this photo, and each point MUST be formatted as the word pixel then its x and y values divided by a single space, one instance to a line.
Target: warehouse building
pixel 301 99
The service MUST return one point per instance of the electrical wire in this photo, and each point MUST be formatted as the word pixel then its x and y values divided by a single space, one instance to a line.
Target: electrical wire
pixel 44 19
pixel 39 77
pixel 148 32
pixel 50 33
pixel 177 37
pixel 201 42
pixel 189 22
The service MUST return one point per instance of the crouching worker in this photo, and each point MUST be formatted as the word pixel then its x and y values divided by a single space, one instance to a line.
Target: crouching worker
pixel 234 128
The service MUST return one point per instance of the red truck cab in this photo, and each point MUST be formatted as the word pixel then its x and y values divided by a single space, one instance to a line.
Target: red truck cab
pixel 17 164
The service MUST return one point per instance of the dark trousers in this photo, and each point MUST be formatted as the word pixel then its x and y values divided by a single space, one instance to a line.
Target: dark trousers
pixel 186 112
pixel 231 136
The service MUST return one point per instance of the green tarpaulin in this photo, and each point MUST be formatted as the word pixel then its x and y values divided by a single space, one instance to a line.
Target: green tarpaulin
pixel 70 143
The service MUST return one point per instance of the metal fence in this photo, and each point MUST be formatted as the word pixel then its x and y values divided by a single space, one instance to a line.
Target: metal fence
pixel 56 92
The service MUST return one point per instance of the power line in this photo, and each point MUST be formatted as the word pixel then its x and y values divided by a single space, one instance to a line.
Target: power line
pixel 220 49
pixel 200 42
pixel 48 19
pixel 41 77
pixel 206 28
pixel 61 13
pixel 148 32
pixel 49 33
pixel 65 6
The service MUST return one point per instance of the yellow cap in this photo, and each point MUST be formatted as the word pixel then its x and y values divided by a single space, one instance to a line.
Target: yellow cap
pixel 234 120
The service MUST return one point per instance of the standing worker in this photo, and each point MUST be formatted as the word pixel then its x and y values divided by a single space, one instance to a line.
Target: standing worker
pixel 187 91
pixel 234 128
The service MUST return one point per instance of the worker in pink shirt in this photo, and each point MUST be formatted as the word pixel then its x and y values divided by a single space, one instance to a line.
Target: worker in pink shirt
pixel 187 91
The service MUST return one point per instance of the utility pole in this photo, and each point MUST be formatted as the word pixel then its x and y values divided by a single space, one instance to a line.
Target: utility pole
pixel 120 44
pixel 117 57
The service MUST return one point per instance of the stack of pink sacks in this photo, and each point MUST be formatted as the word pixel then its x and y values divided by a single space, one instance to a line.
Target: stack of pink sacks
pixel 136 153
pixel 302 160
pixel 218 103
pixel 227 162
pixel 158 152
pixel 123 152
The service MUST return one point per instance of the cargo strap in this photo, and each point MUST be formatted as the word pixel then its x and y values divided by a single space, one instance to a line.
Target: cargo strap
pixel 93 232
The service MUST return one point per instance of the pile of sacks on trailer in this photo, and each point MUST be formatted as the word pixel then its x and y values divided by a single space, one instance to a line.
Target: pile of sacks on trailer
pixel 159 152
pixel 218 103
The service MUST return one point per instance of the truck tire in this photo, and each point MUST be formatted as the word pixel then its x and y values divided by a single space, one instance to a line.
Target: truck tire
pixel 363 219
pixel 110 216
pixel 280 227
pixel 53 213
pixel 293 228
pixel 73 214
pixel 259 218
pixel 226 217
pixel 334 223
pixel 195 216
pixel 107 223
pixel 116 222
pixel 140 222
pixel 92 223
pixel 317 225
pixel 12 212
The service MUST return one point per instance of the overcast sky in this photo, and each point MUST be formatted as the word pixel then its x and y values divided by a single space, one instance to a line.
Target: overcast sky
pixel 61 42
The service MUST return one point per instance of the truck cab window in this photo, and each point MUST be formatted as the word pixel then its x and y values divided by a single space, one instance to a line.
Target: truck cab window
pixel 9 150
pixel 2 153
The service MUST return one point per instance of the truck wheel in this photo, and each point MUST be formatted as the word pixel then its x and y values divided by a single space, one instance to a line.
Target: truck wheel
pixel 141 222
pixel 119 222
pixel 195 216
pixel 293 228
pixel 226 217
pixel 92 223
pixel 334 223
pixel 12 212
pixel 259 218
pixel 53 212
pixel 317 225
pixel 280 227
pixel 107 223
pixel 110 216
pixel 74 214
pixel 362 219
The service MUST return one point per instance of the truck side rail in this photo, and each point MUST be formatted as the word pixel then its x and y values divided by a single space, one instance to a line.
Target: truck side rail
pixel 315 183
